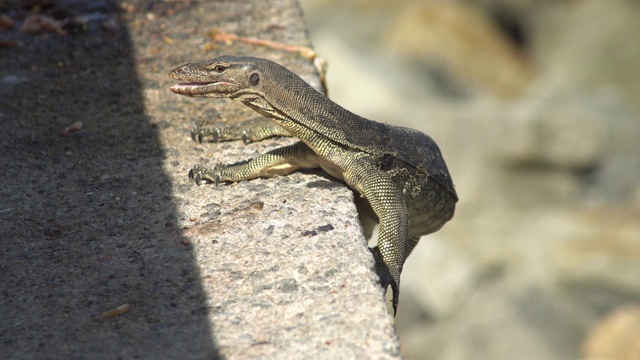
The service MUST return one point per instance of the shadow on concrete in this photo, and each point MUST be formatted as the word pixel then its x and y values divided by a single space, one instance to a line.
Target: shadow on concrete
pixel 87 221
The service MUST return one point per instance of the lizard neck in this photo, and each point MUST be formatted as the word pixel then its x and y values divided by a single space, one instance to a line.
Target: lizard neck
pixel 310 116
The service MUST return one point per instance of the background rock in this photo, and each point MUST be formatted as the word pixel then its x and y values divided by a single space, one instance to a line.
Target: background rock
pixel 545 241
pixel 461 44
pixel 616 336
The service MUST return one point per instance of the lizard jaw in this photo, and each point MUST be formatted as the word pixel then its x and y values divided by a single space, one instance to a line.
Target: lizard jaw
pixel 218 89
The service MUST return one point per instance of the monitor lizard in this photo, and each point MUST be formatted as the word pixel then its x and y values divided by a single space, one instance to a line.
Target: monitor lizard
pixel 399 171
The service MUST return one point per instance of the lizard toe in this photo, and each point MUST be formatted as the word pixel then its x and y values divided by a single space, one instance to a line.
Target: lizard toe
pixel 196 174
pixel 395 288
pixel 196 135
pixel 199 180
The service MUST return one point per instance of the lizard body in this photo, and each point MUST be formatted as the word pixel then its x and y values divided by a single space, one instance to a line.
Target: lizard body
pixel 399 171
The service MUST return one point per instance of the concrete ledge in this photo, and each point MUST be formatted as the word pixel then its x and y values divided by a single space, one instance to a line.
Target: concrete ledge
pixel 112 252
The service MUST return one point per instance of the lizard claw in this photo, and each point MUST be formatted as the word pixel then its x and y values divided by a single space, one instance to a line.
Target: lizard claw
pixel 198 180
pixel 196 135
pixel 199 133
pixel 386 278
pixel 395 288
pixel 195 176
pixel 202 175
pixel 216 171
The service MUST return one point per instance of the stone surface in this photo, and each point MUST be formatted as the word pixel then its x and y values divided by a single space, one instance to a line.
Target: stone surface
pixel 110 251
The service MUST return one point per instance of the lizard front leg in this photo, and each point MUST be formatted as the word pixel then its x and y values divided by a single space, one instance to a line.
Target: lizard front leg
pixel 248 131
pixel 281 161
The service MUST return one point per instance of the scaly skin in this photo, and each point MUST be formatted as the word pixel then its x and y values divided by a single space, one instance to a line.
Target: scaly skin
pixel 399 171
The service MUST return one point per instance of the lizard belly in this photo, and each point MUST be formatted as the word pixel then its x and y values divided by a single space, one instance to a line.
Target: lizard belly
pixel 331 168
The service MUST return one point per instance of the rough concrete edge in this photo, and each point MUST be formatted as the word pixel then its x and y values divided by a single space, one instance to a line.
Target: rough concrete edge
pixel 354 269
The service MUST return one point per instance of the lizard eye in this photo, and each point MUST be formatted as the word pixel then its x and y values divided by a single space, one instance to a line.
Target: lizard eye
pixel 219 68
pixel 254 79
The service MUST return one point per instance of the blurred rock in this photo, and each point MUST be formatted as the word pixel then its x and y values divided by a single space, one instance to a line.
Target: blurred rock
pixel 616 337
pixel 587 49
pixel 499 321
pixel 577 148
pixel 439 277
pixel 546 237
pixel 463 43
pixel 548 132
pixel 589 45
pixel 603 250
pixel 379 99
pixel 526 290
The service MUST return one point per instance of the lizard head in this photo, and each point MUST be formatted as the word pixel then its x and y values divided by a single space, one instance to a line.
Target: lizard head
pixel 261 84
pixel 223 77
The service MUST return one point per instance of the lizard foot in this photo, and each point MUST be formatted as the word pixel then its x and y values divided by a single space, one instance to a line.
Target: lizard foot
pixel 386 278
pixel 222 133
pixel 254 129
pixel 203 175
pixel 199 133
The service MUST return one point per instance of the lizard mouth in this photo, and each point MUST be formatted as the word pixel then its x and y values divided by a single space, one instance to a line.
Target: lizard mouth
pixel 205 89
pixel 196 83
